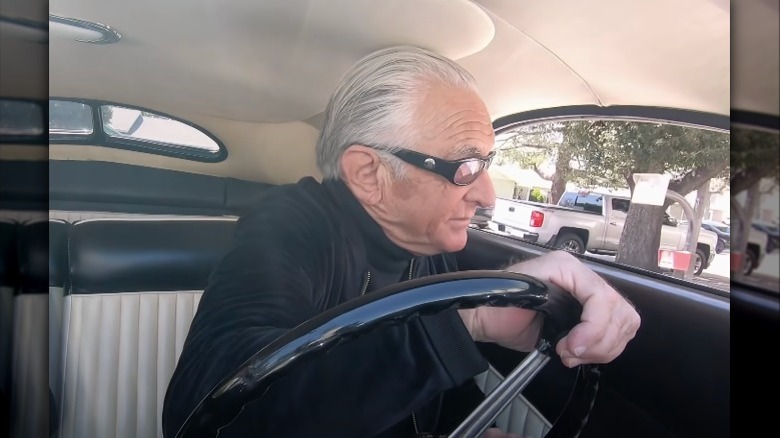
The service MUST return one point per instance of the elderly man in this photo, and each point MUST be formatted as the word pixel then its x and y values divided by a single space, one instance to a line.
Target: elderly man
pixel 403 153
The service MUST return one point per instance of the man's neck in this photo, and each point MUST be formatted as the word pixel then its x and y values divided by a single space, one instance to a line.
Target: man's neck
pixel 393 231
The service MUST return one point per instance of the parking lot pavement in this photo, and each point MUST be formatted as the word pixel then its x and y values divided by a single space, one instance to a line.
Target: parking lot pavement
pixel 720 266
pixel 770 266
pixel 763 281
pixel 713 280
pixel 767 275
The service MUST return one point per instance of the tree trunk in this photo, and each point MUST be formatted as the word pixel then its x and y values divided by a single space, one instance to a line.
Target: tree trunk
pixel 557 190
pixel 562 169
pixel 696 178
pixel 744 221
pixel 641 237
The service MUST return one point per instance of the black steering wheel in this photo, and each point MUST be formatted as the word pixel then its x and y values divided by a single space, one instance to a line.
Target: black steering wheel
pixel 395 305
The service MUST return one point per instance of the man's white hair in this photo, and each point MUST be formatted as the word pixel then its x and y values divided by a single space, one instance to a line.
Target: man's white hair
pixel 375 104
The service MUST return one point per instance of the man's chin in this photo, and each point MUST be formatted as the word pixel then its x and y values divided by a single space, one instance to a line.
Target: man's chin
pixel 457 242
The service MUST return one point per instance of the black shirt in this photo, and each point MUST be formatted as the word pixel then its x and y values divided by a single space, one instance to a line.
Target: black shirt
pixel 305 248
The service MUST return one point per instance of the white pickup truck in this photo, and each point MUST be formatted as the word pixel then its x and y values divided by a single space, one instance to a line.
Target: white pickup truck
pixel 588 221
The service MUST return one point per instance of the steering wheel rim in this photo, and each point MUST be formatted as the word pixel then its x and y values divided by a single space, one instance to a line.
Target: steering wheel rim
pixel 389 306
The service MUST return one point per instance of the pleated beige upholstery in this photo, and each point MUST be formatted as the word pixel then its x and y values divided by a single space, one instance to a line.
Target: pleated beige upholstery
pixel 56 299
pixel 119 352
pixel 6 337
pixel 8 285
pixel 120 335
pixel 29 387
pixel 30 333
pixel 520 416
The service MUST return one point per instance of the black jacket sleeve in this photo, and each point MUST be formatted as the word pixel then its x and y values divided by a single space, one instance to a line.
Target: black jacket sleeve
pixel 273 279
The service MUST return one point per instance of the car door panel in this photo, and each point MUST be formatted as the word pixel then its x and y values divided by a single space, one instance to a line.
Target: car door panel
pixel 673 379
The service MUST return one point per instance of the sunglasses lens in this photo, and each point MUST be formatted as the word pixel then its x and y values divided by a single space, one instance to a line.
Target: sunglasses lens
pixel 468 172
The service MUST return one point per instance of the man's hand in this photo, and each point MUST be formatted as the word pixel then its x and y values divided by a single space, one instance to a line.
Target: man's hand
pixel 608 321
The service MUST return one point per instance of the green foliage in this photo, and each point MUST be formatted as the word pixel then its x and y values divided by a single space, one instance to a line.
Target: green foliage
pixel 537 195
pixel 754 156
pixel 107 113
pixel 607 153
pixel 530 146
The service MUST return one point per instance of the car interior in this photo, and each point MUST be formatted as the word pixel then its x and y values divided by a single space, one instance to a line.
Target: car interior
pixel 167 120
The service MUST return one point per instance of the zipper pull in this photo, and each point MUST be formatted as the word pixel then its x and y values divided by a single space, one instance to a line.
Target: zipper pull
pixel 365 284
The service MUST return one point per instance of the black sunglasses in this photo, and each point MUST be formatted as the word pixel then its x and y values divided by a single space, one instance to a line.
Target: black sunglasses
pixel 459 172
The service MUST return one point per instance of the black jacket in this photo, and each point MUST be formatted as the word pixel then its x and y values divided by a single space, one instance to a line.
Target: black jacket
pixel 304 248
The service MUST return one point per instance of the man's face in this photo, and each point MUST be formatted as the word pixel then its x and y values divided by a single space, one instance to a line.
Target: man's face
pixel 433 214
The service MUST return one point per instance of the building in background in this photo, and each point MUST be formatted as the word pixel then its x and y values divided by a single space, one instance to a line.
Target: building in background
pixel 512 182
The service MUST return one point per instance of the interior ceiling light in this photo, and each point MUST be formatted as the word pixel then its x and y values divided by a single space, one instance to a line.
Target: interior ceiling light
pixel 82 31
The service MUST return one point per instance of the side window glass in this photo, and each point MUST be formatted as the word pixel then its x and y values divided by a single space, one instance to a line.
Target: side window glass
pixel 579 161
pixel 154 129
pixel 620 205
pixel 592 203
pixel 20 118
pixel 69 119
pixel 101 124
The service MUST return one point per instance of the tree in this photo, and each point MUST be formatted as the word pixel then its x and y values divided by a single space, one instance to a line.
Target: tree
pixel 608 154
pixel 532 146
pixel 754 158
pixel 560 143
pixel 691 156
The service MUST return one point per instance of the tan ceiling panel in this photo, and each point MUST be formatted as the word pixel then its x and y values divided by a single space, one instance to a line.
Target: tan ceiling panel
pixel 516 74
pixel 23 74
pixel 756 56
pixel 246 60
pixel 656 53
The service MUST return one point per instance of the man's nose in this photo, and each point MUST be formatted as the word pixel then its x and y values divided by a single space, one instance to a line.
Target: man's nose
pixel 482 191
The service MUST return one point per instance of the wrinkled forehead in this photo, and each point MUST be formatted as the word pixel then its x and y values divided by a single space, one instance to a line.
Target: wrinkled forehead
pixel 454 123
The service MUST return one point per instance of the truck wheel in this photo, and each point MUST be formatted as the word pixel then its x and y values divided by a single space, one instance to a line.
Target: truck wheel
pixel 748 262
pixel 570 242
pixel 720 246
pixel 698 267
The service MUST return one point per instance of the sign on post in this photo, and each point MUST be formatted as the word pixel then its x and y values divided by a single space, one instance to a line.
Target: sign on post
pixel 674 260
pixel 650 188
pixel 653 189
pixel 666 259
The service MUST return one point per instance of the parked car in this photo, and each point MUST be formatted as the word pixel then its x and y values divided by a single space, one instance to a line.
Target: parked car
pixel 722 230
pixel 756 249
pixel 589 221
pixel 482 217
pixel 773 235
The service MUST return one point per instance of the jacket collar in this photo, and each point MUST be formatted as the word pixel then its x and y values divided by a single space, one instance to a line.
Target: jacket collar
pixel 382 253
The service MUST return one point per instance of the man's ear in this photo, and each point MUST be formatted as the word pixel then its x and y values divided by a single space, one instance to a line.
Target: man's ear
pixel 361 170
